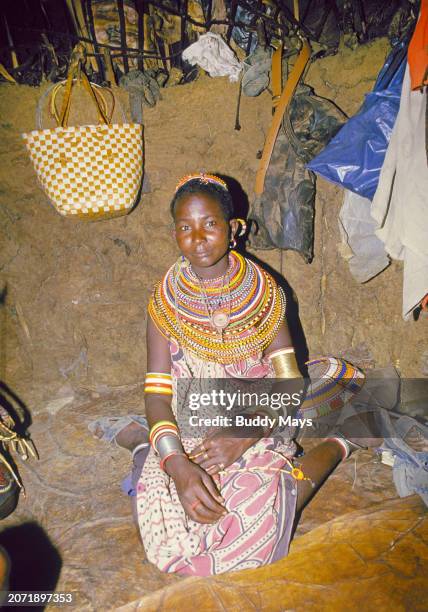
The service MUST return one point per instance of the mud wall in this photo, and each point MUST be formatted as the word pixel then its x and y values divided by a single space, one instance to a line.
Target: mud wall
pixel 74 317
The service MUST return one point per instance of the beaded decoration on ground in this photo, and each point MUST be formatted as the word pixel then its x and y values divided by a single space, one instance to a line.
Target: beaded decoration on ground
pixel 333 382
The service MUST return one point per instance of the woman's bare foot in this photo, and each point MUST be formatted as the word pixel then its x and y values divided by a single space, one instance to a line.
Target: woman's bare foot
pixel 368 429
pixel 129 437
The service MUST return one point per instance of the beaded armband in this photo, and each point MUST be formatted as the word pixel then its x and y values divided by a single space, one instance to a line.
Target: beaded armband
pixel 165 440
pixel 158 382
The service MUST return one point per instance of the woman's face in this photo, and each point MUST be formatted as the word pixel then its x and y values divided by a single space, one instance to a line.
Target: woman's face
pixel 203 234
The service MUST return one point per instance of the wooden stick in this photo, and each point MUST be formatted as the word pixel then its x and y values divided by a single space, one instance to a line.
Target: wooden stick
pixel 139 5
pixel 233 9
pixel 50 48
pixel 147 41
pixel 109 67
pixel 168 51
pixel 276 76
pixel 15 62
pixel 296 9
pixel 91 26
pixel 76 12
pixel 160 45
pixel 183 23
pixel 6 75
pixel 122 24
pixel 209 10
pixel 238 106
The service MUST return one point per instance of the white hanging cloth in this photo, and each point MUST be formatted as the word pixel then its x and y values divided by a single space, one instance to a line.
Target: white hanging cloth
pixel 363 250
pixel 212 54
pixel 400 204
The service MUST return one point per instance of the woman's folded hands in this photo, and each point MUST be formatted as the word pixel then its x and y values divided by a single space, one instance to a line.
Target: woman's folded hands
pixel 196 489
pixel 222 447
pixel 192 475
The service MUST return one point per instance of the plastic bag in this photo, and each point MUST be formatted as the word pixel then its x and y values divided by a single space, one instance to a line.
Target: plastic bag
pixel 354 157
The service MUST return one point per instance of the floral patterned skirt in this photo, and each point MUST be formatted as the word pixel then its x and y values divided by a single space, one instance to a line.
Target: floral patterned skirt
pixel 260 497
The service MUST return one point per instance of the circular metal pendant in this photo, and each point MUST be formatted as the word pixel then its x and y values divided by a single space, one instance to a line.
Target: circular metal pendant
pixel 220 319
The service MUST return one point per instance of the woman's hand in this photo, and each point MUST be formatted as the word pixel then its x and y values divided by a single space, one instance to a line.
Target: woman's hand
pixel 224 447
pixel 198 494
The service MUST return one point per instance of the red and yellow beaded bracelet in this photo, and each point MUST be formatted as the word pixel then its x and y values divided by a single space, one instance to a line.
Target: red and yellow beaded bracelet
pixel 158 382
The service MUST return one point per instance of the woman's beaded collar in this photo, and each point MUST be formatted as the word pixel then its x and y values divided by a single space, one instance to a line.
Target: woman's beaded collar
pixel 256 306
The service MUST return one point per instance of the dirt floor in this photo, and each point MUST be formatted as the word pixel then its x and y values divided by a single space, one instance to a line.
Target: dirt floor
pixel 72 343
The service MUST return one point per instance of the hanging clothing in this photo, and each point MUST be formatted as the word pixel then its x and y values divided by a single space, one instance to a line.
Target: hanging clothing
pixel 417 55
pixel 400 204
pixel 363 250
pixel 212 54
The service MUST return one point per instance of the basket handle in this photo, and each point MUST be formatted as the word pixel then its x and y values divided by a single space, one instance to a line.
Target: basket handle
pixel 76 71
pixel 52 92
pixel 98 91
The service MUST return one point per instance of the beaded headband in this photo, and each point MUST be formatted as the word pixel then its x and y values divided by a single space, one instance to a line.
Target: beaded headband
pixel 203 178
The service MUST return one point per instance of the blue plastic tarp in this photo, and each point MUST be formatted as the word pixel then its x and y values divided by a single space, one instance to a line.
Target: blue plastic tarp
pixel 354 157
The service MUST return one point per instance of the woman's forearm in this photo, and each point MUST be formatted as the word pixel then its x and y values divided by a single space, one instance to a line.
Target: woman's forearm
pixel 158 409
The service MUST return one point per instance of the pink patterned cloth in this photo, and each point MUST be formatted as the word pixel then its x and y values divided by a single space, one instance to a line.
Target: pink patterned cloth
pixel 260 499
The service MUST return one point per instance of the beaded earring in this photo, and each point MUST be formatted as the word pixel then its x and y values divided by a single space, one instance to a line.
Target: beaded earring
pixel 232 243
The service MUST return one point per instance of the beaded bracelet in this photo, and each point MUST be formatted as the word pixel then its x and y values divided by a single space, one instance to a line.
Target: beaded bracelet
pixel 163 431
pixel 160 424
pixel 165 440
pixel 344 446
pixel 158 382
pixel 171 454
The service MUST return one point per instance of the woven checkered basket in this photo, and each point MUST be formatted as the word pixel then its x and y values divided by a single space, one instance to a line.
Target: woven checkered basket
pixel 92 171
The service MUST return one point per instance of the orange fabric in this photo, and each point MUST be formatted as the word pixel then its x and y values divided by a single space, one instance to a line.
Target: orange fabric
pixel 417 55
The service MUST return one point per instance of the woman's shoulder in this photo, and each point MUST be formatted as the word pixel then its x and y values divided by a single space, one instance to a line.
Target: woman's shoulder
pixel 164 279
pixel 162 301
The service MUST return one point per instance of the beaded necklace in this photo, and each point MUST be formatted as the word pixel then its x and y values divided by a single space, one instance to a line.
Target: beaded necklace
pixel 252 310
pixel 219 315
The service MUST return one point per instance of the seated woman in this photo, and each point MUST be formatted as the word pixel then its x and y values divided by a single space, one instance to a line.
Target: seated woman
pixel 225 502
